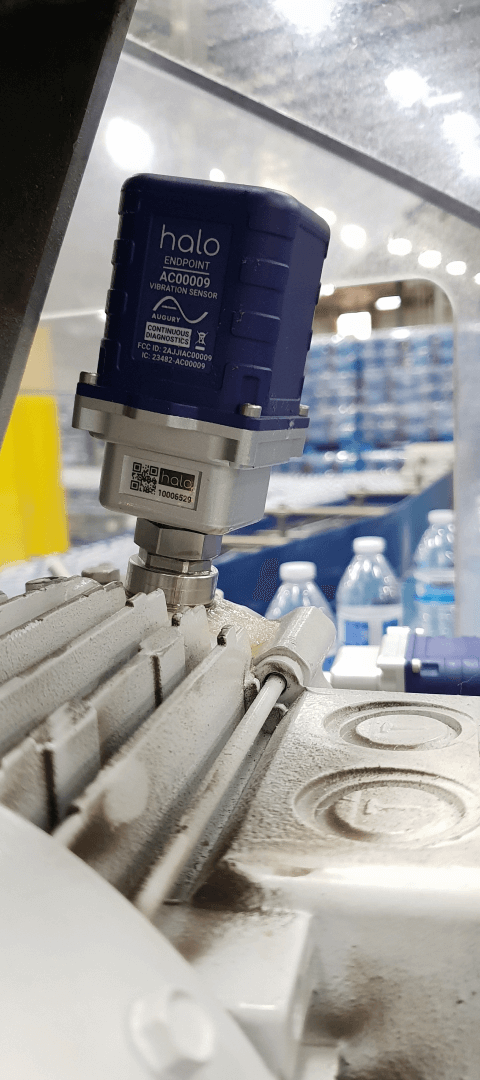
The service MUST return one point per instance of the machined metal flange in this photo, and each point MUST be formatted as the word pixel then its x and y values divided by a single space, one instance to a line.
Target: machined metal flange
pixel 181 590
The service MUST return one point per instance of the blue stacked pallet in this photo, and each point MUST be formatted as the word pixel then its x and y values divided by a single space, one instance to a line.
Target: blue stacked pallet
pixel 378 424
pixel 379 393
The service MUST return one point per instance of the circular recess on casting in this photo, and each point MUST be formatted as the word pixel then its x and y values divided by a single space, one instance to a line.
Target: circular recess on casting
pixel 399 807
pixel 395 726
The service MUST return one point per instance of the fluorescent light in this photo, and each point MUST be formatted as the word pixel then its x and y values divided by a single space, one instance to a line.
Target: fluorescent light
pixel 308 16
pixel 443 99
pixel 355 324
pixel 328 215
pixel 400 333
pixel 430 259
pixel 353 236
pixel 129 145
pixel 328 290
pixel 456 268
pixel 470 161
pixel 477 279
pixel 406 87
pixel 388 303
pixel 399 245
pixel 217 175
pixel 462 130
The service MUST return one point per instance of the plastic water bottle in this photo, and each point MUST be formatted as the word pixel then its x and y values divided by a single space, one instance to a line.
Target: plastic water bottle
pixel 298 589
pixel 434 574
pixel 368 595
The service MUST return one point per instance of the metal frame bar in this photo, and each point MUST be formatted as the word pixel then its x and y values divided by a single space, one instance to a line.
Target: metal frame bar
pixel 57 62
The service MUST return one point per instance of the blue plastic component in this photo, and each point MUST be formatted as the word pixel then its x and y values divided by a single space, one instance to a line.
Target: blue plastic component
pixel 213 292
pixel 448 665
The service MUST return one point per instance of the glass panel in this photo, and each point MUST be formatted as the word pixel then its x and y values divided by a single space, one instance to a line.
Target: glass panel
pixel 396 80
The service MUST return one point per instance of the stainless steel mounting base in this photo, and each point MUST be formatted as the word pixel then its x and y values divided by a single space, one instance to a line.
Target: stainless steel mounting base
pixel 181 590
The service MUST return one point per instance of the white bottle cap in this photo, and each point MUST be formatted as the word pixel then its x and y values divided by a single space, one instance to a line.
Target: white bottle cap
pixel 441 517
pixel 368 545
pixel 297 571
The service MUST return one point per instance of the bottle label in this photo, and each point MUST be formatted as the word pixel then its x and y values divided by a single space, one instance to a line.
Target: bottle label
pixel 428 594
pixel 356 633
pixel 364 625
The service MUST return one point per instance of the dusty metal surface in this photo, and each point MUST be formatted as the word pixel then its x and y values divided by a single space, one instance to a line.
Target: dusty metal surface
pixel 330 896
pixel 78 711
pixel 81 670
pixel 19 610
pixel 345 909
pixel 77 667
pixel 338 790
pixel 31 643
pixel 123 819
pixel 207 800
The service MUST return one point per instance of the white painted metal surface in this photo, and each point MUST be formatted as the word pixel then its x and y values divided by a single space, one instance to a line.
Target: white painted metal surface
pixel 122 820
pixel 90 989
pixel 322 869
pixel 208 797
pixel 347 906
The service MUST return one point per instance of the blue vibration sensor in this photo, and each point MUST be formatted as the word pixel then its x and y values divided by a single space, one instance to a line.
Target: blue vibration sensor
pixel 211 303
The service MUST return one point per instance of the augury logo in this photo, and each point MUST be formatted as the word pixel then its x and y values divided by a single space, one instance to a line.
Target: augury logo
pixel 210 246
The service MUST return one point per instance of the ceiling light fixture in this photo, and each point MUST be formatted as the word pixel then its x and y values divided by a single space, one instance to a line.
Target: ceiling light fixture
pixel 430 259
pixel 353 236
pixel 443 99
pixel 462 130
pixel 328 215
pixel 388 303
pixel 217 176
pixel 456 268
pixel 129 145
pixel 400 333
pixel 406 87
pixel 399 245
pixel 356 324
pixel 307 16
pixel 328 290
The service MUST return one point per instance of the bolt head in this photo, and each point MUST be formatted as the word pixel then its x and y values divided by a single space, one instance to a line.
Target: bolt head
pixel 103 573
pixel 172 1033
pixel 172 543
pixel 254 411
pixel 41 583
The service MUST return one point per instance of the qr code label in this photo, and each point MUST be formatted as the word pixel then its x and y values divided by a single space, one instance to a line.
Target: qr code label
pixel 144 478
pixel 162 483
